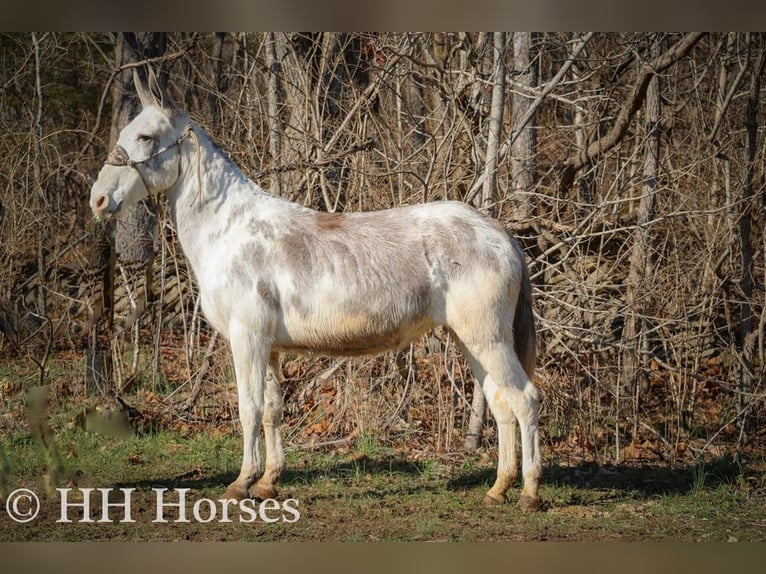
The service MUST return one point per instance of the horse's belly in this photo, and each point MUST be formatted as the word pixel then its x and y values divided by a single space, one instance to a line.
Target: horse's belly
pixel 348 335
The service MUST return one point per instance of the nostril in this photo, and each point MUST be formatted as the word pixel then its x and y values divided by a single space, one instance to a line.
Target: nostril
pixel 101 202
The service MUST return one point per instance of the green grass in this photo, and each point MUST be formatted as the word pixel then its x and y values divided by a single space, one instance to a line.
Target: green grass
pixel 375 493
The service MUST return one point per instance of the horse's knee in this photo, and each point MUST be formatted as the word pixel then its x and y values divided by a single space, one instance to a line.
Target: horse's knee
pixel 528 413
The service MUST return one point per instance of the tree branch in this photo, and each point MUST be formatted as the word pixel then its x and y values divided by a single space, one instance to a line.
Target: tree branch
pixel 576 162
pixel 505 148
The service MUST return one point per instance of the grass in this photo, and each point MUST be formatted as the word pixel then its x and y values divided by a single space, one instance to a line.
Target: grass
pixel 366 492
pixel 374 493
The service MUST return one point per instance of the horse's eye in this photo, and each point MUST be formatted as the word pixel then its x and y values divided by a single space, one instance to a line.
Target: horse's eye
pixel 143 138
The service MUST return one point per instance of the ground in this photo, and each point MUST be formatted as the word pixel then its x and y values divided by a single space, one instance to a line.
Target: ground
pixel 371 496
pixel 362 489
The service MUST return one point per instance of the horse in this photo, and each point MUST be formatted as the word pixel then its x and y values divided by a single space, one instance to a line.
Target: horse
pixel 277 277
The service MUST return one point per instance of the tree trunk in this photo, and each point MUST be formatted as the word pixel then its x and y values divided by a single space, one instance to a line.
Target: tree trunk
pixel 488 203
pixel 523 148
pixel 98 359
pixel 136 231
pixel 747 333
pixel 275 126
pixel 133 235
pixel 587 182
pixel 489 190
pixel 634 342
pixel 214 96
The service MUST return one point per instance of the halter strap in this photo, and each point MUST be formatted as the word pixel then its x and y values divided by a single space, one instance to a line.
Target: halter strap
pixel 119 157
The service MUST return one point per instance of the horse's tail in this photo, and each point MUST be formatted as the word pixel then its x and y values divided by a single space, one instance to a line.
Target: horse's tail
pixel 524 337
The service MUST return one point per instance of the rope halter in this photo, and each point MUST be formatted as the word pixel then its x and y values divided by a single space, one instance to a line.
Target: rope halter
pixel 119 157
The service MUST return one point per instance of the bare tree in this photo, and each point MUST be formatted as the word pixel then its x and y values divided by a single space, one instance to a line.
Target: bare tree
pixel 136 232
pixel 621 123
pixel 488 203
pixel 635 351
pixel 275 128
pixel 748 328
pixel 523 148
pixel 214 95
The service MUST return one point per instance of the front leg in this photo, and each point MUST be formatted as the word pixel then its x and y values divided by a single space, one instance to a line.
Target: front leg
pixel 250 359
pixel 272 420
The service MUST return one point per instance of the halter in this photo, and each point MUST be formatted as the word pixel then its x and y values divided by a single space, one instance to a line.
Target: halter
pixel 119 157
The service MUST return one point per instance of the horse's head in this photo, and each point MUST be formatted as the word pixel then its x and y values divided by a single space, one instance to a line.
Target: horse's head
pixel 147 156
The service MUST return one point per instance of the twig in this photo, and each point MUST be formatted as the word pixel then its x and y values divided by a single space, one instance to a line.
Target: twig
pixel 107 87
pixel 513 136
pixel 197 389
pixel 621 123
pixel 318 164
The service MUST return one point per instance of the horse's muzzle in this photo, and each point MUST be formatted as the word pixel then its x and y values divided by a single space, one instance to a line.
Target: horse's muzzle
pixel 104 207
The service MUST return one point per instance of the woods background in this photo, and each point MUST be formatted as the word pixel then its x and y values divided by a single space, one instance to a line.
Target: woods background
pixel 630 166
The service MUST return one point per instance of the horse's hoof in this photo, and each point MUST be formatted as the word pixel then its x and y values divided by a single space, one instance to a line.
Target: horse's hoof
pixel 264 491
pixel 529 503
pixel 234 493
pixel 492 500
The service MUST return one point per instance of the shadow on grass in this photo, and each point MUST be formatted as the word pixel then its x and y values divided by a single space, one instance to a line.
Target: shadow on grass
pixel 200 480
pixel 621 480
pixel 634 480
pixel 649 480
pixel 194 480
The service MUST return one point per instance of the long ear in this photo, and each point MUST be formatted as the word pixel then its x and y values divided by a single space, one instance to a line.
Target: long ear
pixel 151 93
pixel 163 100
pixel 144 92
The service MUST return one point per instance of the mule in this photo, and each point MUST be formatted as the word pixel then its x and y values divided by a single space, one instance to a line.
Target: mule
pixel 277 277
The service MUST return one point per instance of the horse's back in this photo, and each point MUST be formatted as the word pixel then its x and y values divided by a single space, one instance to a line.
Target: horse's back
pixel 364 282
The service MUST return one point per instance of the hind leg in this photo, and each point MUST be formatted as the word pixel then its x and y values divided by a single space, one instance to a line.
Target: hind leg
pixel 507 466
pixel 511 396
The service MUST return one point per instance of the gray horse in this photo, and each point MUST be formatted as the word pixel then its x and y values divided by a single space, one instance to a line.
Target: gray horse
pixel 275 277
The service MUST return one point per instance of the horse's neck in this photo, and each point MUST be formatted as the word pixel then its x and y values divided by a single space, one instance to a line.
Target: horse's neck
pixel 207 196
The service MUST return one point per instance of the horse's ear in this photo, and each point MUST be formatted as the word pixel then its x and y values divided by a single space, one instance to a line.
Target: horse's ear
pixel 151 93
pixel 144 92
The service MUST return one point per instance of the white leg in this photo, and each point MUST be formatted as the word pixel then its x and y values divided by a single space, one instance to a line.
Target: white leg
pixel 511 396
pixel 507 468
pixel 250 370
pixel 272 420
pixel 531 466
